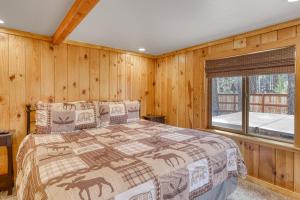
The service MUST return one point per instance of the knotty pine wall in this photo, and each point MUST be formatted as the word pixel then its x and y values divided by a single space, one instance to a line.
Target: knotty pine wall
pixel 181 95
pixel 33 70
pixel 173 85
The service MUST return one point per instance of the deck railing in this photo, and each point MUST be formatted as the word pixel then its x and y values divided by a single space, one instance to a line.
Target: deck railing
pixel 268 103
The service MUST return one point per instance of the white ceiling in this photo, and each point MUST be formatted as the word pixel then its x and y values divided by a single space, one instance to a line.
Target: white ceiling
pixel 159 26
pixel 36 16
pixel 167 25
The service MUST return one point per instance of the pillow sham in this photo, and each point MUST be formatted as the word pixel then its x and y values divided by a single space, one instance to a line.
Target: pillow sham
pixel 117 112
pixel 112 113
pixel 65 117
pixel 133 110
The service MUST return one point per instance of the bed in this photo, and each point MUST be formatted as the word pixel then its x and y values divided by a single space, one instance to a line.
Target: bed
pixel 136 160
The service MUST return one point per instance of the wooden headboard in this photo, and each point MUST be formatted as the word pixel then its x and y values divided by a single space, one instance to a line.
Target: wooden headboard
pixel 30 118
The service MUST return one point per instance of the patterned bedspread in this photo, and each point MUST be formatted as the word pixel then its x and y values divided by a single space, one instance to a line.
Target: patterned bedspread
pixel 136 161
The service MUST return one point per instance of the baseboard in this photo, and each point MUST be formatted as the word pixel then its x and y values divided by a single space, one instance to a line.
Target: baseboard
pixel 283 191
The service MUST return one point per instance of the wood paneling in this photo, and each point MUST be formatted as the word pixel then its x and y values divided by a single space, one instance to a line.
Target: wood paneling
pixel 253 40
pixel 33 70
pixel 128 77
pixel 113 75
pixel 179 85
pixel 266 168
pixel 121 77
pixel 286 33
pixel 221 47
pixel 25 34
pixel 275 163
pixel 239 43
pixel 73 73
pixel 169 79
pixel 17 88
pixel 84 73
pixel 265 161
pixel 269 37
pixel 61 73
pixel 285 169
pixel 4 82
pixel 261 31
pixel 189 90
pixel 251 155
pixel 143 87
pixel 150 93
pixel 158 86
pixel 164 91
pixel 136 78
pixel 198 91
pixel 181 90
pixel 4 95
pixel 173 101
pixel 94 74
pixel 297 172
pixel 173 85
pixel 104 75
pixel 47 72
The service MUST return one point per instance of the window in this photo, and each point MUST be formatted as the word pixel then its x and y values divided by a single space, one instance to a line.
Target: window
pixel 254 94
pixel 271 105
pixel 227 102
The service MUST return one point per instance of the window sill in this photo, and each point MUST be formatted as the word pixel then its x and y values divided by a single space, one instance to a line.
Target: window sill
pixel 257 140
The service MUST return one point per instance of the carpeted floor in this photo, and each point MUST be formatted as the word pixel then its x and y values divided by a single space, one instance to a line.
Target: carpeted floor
pixel 250 191
pixel 245 191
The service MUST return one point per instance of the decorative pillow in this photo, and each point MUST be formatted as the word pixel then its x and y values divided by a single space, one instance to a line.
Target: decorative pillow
pixel 62 121
pixel 104 113
pixel 65 117
pixel 133 110
pixel 118 113
pixel 112 113
pixel 85 115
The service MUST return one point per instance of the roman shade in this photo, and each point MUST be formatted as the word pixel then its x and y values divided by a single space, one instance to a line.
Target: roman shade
pixel 267 62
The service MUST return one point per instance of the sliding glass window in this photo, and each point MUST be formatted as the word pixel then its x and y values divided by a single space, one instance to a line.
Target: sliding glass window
pixel 226 101
pixel 271 105
pixel 254 94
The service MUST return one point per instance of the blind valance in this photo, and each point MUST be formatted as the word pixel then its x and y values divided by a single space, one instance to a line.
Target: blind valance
pixel 267 62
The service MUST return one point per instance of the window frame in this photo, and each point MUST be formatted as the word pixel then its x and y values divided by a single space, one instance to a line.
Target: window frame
pixel 245 114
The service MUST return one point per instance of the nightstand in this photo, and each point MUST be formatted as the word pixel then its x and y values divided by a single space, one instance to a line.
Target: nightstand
pixel 155 118
pixel 6 180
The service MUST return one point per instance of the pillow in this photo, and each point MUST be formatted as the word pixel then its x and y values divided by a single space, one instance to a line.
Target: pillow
pixel 65 117
pixel 133 110
pixel 85 115
pixel 104 117
pixel 112 113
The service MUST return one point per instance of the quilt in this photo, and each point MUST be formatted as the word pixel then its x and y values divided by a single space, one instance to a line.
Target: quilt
pixel 141 160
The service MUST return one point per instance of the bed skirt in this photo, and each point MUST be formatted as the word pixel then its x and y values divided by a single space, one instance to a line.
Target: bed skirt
pixel 222 191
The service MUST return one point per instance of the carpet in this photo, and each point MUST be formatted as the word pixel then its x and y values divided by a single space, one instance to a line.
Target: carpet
pixel 245 191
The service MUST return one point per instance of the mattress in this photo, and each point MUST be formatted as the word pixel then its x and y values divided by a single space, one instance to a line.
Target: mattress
pixel 138 160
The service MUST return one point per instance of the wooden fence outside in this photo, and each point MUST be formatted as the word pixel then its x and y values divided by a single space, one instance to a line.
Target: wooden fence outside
pixel 265 103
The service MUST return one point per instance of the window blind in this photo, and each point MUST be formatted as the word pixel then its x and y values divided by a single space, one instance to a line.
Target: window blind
pixel 267 62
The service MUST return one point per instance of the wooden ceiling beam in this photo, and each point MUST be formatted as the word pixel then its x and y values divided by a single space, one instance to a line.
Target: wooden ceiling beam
pixel 76 14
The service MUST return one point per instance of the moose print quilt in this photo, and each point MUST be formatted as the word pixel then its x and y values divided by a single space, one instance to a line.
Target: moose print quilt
pixel 141 160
